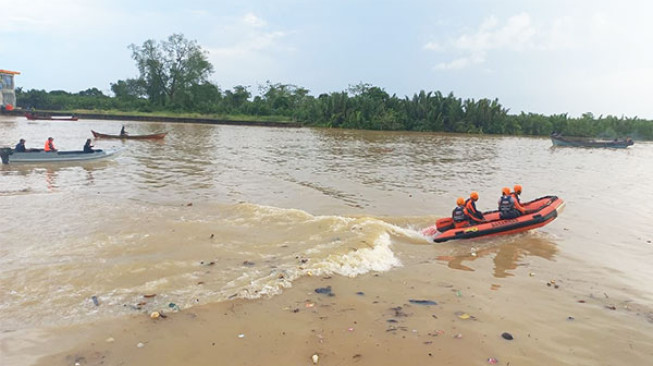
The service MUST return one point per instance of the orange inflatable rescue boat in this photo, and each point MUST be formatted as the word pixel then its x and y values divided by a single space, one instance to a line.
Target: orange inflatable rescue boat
pixel 539 212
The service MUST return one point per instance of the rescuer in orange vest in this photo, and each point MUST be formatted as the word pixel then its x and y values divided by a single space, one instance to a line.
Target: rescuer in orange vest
pixel 515 195
pixel 49 145
pixel 460 219
pixel 508 208
pixel 475 216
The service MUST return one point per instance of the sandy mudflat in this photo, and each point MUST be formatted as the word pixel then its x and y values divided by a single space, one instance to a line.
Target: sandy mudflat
pixel 370 321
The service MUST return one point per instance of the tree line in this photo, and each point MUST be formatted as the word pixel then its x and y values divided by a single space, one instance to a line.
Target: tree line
pixel 174 78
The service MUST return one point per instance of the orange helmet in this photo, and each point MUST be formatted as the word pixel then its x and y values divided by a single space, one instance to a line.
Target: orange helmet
pixel 460 201
pixel 505 190
pixel 474 196
pixel 517 188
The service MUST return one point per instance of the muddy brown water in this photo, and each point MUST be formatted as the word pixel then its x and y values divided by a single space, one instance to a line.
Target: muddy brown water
pixel 254 218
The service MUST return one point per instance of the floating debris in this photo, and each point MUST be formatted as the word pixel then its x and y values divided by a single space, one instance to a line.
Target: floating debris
pixel 552 283
pixel 507 336
pixel 155 315
pixel 492 361
pixel 315 358
pixel 324 290
pixel 464 316
pixel 399 312
pixel 422 302
pixel 95 300
pixel 147 296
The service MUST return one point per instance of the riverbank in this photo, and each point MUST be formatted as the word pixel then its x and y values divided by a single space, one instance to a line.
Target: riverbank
pixel 426 313
pixel 155 118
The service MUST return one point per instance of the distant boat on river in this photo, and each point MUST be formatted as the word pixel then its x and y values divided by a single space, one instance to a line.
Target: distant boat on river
pixel 35 116
pixel 558 140
pixel 9 156
pixel 154 136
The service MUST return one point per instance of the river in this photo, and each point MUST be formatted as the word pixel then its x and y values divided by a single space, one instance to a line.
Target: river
pixel 214 213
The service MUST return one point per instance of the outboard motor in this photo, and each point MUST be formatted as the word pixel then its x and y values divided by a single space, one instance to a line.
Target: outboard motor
pixel 4 154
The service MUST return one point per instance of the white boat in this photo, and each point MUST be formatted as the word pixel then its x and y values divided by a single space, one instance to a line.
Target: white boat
pixel 9 156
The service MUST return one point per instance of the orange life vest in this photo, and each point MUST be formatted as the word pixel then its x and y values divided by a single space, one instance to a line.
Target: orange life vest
pixel 518 205
pixel 49 146
pixel 472 212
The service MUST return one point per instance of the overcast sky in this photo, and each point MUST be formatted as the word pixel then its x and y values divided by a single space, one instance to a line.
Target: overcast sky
pixel 550 57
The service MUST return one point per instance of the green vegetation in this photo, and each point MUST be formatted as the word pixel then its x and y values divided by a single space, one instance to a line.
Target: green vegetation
pixel 174 82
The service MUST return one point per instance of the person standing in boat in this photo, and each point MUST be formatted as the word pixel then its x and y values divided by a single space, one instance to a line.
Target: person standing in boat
pixel 475 216
pixel 49 145
pixel 20 146
pixel 507 207
pixel 122 131
pixel 460 219
pixel 88 148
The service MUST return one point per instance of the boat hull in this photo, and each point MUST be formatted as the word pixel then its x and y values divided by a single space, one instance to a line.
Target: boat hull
pixel 578 142
pixel 154 136
pixel 12 157
pixel 541 212
pixel 35 117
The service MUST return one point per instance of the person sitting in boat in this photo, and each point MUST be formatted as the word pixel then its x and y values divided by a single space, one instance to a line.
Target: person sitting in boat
pixel 460 219
pixel 516 191
pixel 474 215
pixel 49 145
pixel 20 146
pixel 122 131
pixel 88 148
pixel 508 208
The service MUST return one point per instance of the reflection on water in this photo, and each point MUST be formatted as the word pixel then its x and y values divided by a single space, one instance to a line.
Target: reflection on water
pixel 50 176
pixel 506 254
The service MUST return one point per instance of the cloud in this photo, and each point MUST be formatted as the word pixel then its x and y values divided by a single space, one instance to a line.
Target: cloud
pixel 253 20
pixel 517 33
pixel 432 46
pixel 247 49
pixel 62 17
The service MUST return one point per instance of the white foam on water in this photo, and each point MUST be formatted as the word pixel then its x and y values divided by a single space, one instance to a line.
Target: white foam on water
pixel 378 258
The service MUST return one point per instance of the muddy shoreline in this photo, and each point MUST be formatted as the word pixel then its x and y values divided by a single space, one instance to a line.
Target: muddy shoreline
pixel 378 319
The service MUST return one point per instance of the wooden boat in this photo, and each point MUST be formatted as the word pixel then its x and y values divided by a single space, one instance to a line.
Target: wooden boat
pixel 154 136
pixel 34 117
pixel 539 212
pixel 558 140
pixel 9 156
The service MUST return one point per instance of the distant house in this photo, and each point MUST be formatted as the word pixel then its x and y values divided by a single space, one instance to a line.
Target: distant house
pixel 7 94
